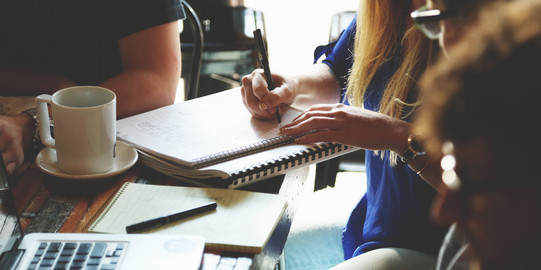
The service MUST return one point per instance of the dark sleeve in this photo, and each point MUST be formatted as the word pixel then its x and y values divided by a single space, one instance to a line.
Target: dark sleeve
pixel 131 16
pixel 339 53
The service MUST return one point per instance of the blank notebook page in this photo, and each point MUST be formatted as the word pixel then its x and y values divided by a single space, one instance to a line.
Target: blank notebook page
pixel 243 221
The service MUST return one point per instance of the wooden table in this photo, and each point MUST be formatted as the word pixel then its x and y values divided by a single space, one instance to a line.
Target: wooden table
pixel 50 204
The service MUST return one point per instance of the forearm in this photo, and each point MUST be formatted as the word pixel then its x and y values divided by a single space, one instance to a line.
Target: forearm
pixel 317 85
pixel 151 64
pixel 14 82
pixel 139 91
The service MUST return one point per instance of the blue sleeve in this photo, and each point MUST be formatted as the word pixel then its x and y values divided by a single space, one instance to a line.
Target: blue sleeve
pixel 339 54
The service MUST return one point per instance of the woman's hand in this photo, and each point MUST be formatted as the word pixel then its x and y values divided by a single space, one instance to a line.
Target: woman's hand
pixel 259 100
pixel 348 125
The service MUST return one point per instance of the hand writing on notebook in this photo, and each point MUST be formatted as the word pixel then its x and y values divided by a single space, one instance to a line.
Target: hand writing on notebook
pixel 259 100
pixel 313 85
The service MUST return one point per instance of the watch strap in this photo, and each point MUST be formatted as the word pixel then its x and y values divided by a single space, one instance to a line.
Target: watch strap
pixel 414 149
pixel 36 139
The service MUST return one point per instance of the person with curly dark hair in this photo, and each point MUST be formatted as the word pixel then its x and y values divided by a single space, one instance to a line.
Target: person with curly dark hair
pixel 480 112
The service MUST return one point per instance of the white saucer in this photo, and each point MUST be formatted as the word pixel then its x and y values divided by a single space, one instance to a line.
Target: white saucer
pixel 126 156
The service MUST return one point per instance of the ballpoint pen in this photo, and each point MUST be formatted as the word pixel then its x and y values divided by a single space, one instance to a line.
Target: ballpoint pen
pixel 160 221
pixel 264 62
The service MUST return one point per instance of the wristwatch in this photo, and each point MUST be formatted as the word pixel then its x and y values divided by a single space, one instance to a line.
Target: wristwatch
pixel 36 139
pixel 414 149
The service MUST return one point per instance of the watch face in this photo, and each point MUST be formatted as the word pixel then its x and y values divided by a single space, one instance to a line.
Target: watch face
pixel 416 146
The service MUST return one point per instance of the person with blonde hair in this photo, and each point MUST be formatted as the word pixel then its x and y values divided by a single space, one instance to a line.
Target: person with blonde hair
pixel 390 227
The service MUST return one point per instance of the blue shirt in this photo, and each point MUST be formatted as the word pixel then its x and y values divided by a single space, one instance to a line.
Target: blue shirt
pixel 394 212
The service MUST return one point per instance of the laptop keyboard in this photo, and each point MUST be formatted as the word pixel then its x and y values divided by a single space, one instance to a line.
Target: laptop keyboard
pixel 77 256
pixel 217 262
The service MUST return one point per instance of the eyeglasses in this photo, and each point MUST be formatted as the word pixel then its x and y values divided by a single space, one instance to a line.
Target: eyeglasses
pixel 428 21
pixel 465 188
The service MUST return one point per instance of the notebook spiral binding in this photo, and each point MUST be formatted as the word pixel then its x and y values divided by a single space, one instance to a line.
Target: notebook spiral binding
pixel 96 218
pixel 243 151
pixel 313 153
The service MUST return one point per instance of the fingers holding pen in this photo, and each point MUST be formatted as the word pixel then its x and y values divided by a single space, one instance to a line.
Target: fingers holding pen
pixel 268 98
pixel 258 98
pixel 252 86
pixel 259 84
pixel 248 100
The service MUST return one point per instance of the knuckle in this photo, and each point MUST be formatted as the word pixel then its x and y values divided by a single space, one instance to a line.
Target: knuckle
pixel 312 120
pixel 245 80
pixel 341 113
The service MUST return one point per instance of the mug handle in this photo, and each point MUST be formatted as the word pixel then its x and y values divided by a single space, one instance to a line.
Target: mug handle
pixel 43 120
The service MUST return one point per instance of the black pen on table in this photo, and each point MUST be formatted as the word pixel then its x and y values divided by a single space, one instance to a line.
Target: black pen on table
pixel 155 222
pixel 264 61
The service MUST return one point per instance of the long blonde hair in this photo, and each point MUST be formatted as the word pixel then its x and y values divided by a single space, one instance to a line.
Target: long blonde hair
pixel 382 32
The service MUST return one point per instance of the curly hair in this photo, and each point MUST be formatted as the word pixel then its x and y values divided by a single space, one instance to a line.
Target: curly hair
pixel 489 87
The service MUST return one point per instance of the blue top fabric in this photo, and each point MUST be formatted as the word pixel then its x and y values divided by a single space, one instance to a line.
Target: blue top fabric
pixel 73 38
pixel 339 56
pixel 394 212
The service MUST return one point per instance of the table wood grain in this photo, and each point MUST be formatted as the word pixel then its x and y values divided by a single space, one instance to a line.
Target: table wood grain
pixel 50 204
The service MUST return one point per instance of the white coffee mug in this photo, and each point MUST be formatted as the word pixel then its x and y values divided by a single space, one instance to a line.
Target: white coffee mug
pixel 84 128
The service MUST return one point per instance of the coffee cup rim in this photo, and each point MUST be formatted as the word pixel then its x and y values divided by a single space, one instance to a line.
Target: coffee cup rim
pixel 59 92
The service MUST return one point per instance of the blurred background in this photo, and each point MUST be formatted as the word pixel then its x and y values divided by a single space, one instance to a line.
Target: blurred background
pixel 292 29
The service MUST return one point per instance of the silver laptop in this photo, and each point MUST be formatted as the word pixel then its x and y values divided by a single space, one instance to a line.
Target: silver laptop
pixel 89 251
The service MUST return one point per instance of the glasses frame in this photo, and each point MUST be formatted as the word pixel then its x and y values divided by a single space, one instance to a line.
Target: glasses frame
pixel 424 15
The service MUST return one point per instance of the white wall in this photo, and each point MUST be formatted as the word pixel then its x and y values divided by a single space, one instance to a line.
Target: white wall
pixel 296 27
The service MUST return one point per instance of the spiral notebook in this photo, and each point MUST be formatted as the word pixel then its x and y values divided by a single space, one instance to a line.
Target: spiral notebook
pixel 214 141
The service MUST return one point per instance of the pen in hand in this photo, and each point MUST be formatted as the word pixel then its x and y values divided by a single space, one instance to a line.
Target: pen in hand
pixel 264 62
pixel 155 222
